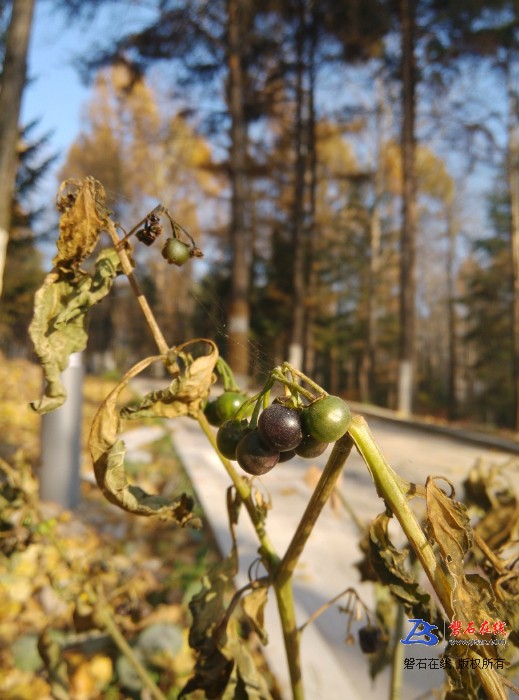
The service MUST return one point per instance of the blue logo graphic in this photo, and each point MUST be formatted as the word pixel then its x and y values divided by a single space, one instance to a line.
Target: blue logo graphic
pixel 421 634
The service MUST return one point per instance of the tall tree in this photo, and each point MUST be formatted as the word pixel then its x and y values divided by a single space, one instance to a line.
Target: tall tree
pixel 513 189
pixel 409 210
pixel 23 271
pixel 144 153
pixel 12 83
pixel 239 312
pixel 295 350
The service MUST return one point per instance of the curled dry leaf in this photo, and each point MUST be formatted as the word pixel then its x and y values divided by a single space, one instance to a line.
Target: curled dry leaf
pixel 448 525
pixel 84 215
pixel 224 667
pixel 108 451
pixel 389 564
pixel 59 324
pixel 188 389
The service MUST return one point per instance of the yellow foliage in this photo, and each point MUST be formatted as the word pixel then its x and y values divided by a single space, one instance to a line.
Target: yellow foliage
pixel 433 178
pixel 90 677
pixel 139 151
pixel 18 685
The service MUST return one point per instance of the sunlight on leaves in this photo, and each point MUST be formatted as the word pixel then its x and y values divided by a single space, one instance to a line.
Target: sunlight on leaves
pixel 448 525
pixel 84 215
pixel 59 324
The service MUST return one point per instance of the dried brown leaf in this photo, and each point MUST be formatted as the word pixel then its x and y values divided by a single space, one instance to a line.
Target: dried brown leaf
pixel 389 564
pixel 186 392
pixel 108 457
pixel 84 215
pixel 472 597
pixel 253 606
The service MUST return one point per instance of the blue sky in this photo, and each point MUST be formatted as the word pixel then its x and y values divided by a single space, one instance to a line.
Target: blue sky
pixel 56 96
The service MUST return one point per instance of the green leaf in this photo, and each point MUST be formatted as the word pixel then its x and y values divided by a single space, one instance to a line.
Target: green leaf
pixel 108 454
pixel 59 324
pixel 186 392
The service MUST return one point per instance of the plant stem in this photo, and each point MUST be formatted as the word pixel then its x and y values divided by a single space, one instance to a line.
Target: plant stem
pixel 141 299
pixel 291 635
pixel 267 551
pixel 283 590
pixel 389 488
pixel 397 664
pixel 326 606
pixel 307 380
pixel 104 616
pixel 322 492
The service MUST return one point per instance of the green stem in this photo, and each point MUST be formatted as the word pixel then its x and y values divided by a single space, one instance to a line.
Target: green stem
pixel 291 635
pixel 397 665
pixel 267 551
pixel 306 379
pixel 108 622
pixel 283 591
pixel 389 488
pixel 293 386
pixel 321 494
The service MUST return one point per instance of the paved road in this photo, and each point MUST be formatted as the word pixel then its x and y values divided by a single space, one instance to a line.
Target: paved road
pixel 331 669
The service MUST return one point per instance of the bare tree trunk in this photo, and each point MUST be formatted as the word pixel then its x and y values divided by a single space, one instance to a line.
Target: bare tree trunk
pixel 452 408
pixel 374 245
pixel 239 313
pixel 513 185
pixel 311 295
pixel 409 212
pixel 296 346
pixel 12 83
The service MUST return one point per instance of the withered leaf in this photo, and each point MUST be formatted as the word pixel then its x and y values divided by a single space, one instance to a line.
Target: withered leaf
pixel 59 324
pixel 448 525
pixel 253 605
pixel 108 457
pixel 84 215
pixel 389 565
pixel 186 392
pixel 224 668
pixel 490 488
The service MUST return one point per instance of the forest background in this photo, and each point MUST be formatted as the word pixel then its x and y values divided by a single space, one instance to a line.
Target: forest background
pixel 351 171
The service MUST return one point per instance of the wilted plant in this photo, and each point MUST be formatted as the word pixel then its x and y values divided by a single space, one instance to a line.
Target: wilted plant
pixel 259 434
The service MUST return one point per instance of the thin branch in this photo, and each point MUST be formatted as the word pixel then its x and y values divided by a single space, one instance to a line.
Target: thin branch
pixel 143 302
pixel 326 606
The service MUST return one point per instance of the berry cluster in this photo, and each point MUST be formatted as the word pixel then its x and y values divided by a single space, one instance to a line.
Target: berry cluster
pixel 280 432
